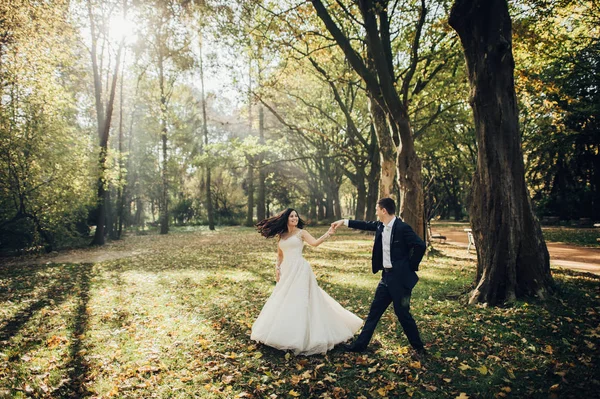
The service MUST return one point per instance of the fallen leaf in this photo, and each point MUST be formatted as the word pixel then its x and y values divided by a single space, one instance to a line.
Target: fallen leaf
pixel 415 365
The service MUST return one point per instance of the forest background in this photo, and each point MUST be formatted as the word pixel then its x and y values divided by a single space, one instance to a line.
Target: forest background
pixel 148 114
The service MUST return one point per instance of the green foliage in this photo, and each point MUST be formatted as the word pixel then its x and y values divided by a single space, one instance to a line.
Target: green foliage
pixel 172 314
pixel 556 48
pixel 45 171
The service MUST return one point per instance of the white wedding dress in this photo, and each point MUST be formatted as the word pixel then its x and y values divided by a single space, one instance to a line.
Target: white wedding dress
pixel 300 316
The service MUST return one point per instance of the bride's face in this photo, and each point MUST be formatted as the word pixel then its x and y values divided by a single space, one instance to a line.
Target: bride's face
pixel 293 219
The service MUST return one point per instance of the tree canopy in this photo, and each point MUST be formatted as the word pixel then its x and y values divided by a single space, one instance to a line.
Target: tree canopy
pixel 231 111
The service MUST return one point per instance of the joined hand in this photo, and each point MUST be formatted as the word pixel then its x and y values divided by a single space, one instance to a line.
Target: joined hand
pixel 337 224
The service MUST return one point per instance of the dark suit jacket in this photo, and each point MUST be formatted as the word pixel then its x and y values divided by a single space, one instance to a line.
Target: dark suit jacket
pixel 407 249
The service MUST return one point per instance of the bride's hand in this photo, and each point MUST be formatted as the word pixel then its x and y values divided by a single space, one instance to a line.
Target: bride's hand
pixel 331 231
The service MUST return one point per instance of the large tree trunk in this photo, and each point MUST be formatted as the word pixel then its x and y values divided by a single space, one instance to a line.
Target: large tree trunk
pixel 410 181
pixel 512 258
pixel 373 178
pixel 387 149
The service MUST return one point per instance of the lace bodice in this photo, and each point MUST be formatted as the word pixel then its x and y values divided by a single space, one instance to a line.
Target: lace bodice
pixel 292 246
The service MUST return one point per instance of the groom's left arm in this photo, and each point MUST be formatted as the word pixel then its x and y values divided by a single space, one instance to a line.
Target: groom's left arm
pixel 416 244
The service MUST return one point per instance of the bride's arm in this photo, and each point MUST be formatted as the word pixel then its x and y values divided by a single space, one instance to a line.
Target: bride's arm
pixel 315 242
pixel 278 263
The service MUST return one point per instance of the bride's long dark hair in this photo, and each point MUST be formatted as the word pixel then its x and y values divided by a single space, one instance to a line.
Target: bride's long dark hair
pixel 276 225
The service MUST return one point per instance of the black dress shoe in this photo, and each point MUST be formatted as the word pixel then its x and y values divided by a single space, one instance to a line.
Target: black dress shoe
pixel 352 348
pixel 418 354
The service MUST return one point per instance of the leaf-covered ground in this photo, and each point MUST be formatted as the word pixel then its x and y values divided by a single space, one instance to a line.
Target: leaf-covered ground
pixel 173 320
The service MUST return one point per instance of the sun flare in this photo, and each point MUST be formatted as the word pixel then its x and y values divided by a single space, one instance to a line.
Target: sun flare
pixel 121 27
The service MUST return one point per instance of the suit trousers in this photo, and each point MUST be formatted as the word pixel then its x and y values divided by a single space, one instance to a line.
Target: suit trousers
pixel 389 291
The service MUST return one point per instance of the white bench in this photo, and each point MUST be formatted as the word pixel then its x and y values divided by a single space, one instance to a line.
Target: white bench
pixel 436 236
pixel 471 239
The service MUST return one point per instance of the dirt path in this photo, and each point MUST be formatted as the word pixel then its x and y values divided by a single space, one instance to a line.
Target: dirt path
pixel 90 255
pixel 561 255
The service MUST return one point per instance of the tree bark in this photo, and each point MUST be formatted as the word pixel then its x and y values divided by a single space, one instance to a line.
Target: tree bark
pixel 104 121
pixel 121 188
pixel 250 188
pixel 164 205
pixel 373 178
pixel 361 196
pixel 261 198
pixel 387 149
pixel 512 258
pixel 208 195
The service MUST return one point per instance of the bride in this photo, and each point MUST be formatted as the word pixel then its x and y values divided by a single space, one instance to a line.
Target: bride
pixel 299 316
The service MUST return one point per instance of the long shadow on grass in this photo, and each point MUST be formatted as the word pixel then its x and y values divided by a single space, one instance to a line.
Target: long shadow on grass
pixel 68 280
pixel 56 292
pixel 77 367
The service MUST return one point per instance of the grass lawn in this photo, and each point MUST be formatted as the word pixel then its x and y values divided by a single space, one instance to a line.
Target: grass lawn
pixel 173 319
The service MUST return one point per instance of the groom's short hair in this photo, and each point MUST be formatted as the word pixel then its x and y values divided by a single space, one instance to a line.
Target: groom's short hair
pixel 388 204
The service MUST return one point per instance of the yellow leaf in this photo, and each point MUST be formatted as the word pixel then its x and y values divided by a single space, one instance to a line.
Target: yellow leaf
pixel 294 393
pixel 448 380
pixel 547 349
pixel 506 389
pixel 464 366
pixel 483 370
pixel 382 391
pixel 462 396
pixel 258 355
pixel 414 365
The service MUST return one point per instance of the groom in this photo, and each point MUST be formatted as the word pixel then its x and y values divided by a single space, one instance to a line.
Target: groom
pixel 397 251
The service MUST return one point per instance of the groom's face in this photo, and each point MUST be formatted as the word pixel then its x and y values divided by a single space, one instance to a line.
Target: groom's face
pixel 379 211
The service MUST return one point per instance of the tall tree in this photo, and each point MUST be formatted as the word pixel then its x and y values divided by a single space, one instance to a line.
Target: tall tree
pixel 103 118
pixel 167 43
pixel 512 258
pixel 377 70
pixel 208 194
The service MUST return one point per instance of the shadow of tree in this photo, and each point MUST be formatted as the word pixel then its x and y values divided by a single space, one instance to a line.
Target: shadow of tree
pixel 56 284
pixel 58 289
pixel 77 367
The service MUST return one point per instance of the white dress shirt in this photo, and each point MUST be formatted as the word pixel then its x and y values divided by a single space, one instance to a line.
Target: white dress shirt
pixel 385 242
